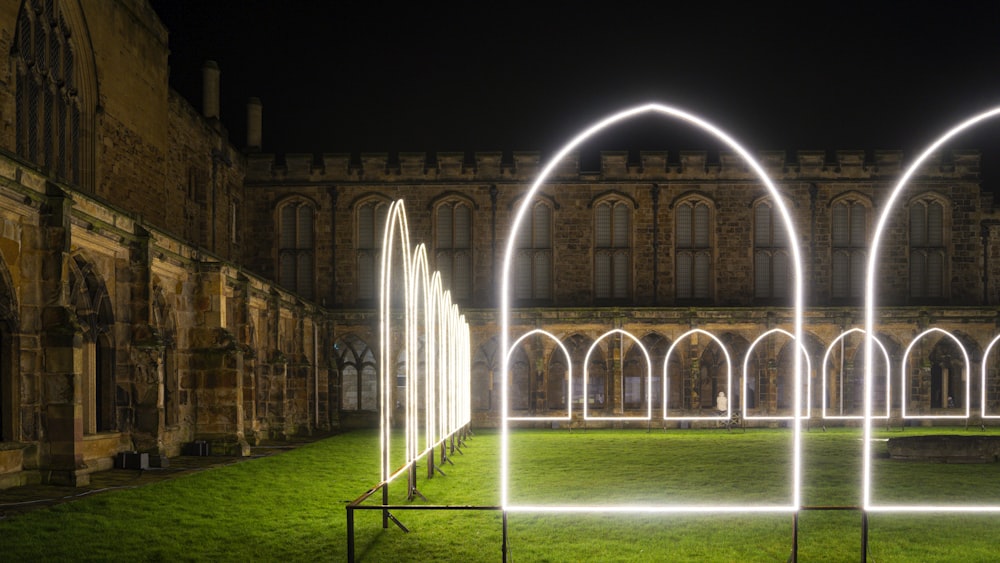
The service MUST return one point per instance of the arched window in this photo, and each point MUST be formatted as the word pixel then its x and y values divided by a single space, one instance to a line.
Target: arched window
pixel 693 250
pixel 370 225
pixel 358 377
pixel 296 256
pixel 848 241
pixel 453 248
pixel 47 105
pixel 771 260
pixel 612 250
pixel 927 248
pixel 534 256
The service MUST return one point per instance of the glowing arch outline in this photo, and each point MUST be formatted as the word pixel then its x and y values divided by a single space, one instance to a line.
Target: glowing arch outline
pixel 395 218
pixel 966 369
pixel 982 387
pixel 798 383
pixel 729 378
pixel 870 303
pixel 649 378
pixel 569 375
pixel 798 309
pixel 888 378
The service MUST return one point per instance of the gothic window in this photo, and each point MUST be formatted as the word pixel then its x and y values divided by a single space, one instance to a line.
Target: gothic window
pixel 296 255
pixel 849 240
pixel 927 249
pixel 453 248
pixel 771 259
pixel 533 269
pixel 639 379
pixel 47 105
pixel 612 250
pixel 358 379
pixel 370 224
pixel 693 250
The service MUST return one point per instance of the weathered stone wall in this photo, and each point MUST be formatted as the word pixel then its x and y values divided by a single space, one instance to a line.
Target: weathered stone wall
pixel 181 360
pixel 809 184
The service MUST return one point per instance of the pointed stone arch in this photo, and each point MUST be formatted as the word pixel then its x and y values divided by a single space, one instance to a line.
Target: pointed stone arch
pixel 92 305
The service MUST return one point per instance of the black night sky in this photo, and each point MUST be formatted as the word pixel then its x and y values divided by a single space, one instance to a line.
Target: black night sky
pixel 507 76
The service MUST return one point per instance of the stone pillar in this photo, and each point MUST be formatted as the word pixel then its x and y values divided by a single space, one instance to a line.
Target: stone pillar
pixel 146 352
pixel 216 369
pixel 62 344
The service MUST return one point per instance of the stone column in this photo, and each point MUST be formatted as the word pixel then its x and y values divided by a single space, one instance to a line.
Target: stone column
pixel 62 344
pixel 216 369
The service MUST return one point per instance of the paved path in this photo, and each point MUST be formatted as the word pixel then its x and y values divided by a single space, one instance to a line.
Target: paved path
pixel 18 500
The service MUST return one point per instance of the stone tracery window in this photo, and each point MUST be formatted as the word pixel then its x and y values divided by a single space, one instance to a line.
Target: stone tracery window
pixel 453 248
pixel 693 254
pixel 612 250
pixel 358 377
pixel 534 255
pixel 927 248
pixel 47 105
pixel 371 217
pixel 772 266
pixel 849 242
pixel 296 253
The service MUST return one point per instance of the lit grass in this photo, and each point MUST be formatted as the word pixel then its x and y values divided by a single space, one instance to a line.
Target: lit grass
pixel 291 507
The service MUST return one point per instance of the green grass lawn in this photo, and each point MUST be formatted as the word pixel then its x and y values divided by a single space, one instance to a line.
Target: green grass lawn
pixel 292 506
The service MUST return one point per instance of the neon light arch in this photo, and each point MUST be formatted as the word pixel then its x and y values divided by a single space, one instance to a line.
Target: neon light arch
pixel 797 382
pixel 729 378
pixel 569 374
pixel 649 378
pixel 420 295
pixel 982 401
pixel 395 221
pixel 965 368
pixel 888 378
pixel 870 304
pixel 505 297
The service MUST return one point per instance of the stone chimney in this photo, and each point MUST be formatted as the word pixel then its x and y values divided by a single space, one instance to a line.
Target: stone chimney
pixel 210 89
pixel 254 133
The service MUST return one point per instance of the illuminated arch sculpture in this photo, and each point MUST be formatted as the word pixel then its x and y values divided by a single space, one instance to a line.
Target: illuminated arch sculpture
pixel 439 391
pixel 666 379
pixel 870 305
pixel 569 374
pixel 904 367
pixel 505 303
pixel 649 378
pixel 797 382
pixel 888 378
pixel 985 379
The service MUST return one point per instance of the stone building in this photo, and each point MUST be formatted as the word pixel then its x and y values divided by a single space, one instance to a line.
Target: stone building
pixel 651 250
pixel 143 306
pixel 127 321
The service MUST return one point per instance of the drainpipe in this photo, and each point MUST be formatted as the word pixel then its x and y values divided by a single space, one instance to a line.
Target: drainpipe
pixel 655 192
pixel 493 241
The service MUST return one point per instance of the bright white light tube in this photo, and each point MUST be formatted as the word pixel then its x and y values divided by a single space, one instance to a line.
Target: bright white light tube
pixel 798 380
pixel 888 378
pixel 870 305
pixel 666 379
pixel 586 383
pixel 569 375
pixel 505 306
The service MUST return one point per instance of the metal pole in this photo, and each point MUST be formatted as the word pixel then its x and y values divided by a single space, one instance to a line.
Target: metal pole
pixel 864 536
pixel 350 534
pixel 795 538
pixel 503 546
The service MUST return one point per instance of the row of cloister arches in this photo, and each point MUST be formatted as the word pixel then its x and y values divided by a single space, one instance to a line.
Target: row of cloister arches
pixel 682 377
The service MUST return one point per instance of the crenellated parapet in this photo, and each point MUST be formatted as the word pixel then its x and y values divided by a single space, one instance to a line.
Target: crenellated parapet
pixel 517 166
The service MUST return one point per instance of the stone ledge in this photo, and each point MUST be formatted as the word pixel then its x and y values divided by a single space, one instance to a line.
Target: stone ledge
pixel 945 448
